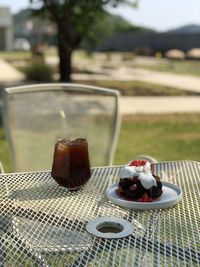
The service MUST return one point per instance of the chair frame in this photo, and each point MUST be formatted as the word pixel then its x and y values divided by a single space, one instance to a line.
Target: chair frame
pixel 1 168
pixel 67 87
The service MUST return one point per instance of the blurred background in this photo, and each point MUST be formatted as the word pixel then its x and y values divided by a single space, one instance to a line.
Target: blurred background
pixel 149 50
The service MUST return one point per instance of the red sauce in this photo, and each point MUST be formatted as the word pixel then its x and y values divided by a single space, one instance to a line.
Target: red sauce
pixel 144 198
pixel 137 162
pixel 140 162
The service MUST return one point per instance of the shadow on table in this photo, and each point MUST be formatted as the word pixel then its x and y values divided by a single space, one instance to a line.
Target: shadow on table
pixel 46 191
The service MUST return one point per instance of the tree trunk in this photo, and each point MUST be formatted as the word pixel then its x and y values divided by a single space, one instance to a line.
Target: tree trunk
pixel 65 53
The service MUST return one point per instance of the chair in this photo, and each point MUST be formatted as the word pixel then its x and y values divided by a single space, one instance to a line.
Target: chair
pixel 36 115
pixel 1 167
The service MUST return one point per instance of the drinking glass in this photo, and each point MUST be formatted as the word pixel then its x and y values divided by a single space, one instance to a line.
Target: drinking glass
pixel 71 165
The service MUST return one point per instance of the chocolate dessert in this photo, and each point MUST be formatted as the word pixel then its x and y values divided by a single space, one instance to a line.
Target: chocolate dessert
pixel 137 182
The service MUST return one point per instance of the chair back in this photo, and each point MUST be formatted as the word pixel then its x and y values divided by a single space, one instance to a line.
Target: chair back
pixel 35 116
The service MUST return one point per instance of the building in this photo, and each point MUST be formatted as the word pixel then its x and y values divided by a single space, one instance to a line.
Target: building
pixel 34 29
pixel 6 32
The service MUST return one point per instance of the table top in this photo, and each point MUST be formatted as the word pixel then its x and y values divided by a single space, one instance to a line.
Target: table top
pixel 43 225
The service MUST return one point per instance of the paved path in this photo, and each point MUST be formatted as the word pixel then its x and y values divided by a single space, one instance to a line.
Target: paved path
pixel 132 105
pixel 178 81
pixel 8 74
pixel 159 105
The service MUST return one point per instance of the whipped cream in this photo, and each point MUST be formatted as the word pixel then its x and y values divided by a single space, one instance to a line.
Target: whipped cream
pixel 143 173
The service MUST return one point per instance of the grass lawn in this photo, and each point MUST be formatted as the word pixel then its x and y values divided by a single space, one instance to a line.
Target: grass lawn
pixel 138 88
pixel 4 154
pixel 165 137
pixel 15 55
pixel 185 67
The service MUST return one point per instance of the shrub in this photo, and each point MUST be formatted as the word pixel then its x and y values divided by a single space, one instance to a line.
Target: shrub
pixel 39 72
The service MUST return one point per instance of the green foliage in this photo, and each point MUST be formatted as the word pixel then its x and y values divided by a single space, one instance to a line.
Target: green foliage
pixel 73 20
pixel 38 71
pixel 80 16
pixel 104 26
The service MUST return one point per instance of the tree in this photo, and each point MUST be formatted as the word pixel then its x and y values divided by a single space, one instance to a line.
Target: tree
pixel 73 19
pixel 102 29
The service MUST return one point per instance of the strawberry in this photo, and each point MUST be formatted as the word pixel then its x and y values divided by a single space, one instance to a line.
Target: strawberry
pixel 145 198
pixel 137 162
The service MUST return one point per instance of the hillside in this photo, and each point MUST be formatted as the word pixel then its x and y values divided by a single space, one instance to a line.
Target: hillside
pixel 189 29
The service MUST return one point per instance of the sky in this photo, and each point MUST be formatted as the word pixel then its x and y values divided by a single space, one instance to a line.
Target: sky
pixel 160 15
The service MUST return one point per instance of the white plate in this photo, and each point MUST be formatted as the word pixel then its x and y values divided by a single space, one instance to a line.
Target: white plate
pixel 171 195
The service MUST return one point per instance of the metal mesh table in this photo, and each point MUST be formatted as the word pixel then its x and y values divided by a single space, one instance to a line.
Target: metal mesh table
pixel 43 225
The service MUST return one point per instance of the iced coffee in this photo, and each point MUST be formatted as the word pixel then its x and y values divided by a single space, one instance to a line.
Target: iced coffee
pixel 71 165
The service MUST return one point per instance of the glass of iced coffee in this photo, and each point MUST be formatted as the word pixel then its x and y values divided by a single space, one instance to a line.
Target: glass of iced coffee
pixel 71 165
